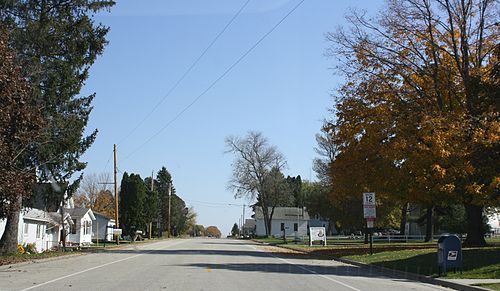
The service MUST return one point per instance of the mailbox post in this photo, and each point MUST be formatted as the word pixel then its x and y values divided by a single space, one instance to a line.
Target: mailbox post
pixel 449 253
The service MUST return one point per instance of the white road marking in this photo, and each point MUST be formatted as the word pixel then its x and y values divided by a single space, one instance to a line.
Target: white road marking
pixel 97 267
pixel 310 271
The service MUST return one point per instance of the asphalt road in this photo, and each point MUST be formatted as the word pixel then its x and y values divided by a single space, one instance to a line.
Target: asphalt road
pixel 196 264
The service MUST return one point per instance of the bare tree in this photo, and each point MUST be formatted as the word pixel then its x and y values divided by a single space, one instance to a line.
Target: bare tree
pixel 327 149
pixel 91 187
pixel 253 160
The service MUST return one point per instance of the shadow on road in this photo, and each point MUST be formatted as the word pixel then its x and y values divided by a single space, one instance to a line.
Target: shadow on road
pixel 197 252
pixel 230 243
pixel 298 269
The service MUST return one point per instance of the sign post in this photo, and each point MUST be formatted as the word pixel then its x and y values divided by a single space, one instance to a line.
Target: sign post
pixel 370 213
pixel 317 233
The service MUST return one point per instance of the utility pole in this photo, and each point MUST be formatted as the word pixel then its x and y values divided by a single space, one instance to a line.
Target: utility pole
pixel 117 225
pixel 243 221
pixel 152 189
pixel 169 202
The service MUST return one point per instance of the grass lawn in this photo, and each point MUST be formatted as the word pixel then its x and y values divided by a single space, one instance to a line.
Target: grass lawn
pixel 491 286
pixel 18 258
pixel 478 263
pixel 415 257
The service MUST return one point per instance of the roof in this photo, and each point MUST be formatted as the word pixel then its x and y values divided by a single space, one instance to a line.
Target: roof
pixel 36 214
pixel 79 212
pixel 284 213
pixel 102 215
pixel 55 218
pixel 249 223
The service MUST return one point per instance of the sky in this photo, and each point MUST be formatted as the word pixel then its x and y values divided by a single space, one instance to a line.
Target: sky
pixel 281 88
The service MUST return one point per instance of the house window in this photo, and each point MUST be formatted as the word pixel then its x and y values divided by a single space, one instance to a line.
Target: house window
pixel 295 227
pixel 26 228
pixel 73 227
pixel 86 227
pixel 38 231
pixel 282 226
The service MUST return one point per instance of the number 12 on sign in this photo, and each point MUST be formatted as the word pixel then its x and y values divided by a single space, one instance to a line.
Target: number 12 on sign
pixel 369 198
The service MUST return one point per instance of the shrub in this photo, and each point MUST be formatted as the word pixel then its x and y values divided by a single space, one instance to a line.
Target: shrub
pixel 30 248
pixel 20 249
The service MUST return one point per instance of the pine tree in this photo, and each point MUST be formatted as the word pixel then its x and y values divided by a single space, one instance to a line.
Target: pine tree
pixel 57 42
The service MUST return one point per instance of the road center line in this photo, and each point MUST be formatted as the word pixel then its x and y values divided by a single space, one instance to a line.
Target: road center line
pixel 96 267
pixel 308 270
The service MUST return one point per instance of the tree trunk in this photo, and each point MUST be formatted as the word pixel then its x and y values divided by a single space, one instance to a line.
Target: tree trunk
pixel 404 218
pixel 475 227
pixel 8 242
pixel 429 224
pixel 63 232
pixel 265 213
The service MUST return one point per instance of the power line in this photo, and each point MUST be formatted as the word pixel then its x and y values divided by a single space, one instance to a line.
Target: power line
pixel 216 204
pixel 217 79
pixel 107 163
pixel 186 72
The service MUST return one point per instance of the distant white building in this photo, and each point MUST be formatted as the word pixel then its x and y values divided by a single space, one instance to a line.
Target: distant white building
pixel 291 221
pixel 102 228
pixel 80 233
pixel 249 227
pixel 494 222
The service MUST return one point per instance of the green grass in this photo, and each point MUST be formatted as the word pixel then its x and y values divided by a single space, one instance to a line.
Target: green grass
pixel 493 240
pixel 478 263
pixel 491 286
pixel 342 242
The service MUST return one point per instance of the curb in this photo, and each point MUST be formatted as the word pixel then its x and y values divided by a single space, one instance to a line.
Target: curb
pixel 401 274
pixel 413 276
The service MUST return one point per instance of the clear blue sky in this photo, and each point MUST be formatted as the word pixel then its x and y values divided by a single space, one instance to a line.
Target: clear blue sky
pixel 282 88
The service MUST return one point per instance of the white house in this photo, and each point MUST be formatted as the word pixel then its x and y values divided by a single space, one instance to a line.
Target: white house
pixel 102 228
pixel 38 227
pixel 494 222
pixel 34 224
pixel 291 221
pixel 81 231
pixel 249 227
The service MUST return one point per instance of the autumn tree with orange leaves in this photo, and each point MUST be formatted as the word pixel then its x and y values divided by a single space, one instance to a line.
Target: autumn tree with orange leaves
pixel 94 193
pixel 417 119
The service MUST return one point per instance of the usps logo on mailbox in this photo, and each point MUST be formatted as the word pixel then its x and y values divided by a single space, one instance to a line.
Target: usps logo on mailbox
pixel 452 255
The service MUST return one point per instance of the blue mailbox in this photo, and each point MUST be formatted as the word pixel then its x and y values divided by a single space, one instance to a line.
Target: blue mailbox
pixel 449 253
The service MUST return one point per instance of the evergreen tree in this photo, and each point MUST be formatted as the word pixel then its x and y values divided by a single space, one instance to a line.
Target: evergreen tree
pixel 162 182
pixel 132 200
pixel 56 42
pixel 235 231
pixel 151 206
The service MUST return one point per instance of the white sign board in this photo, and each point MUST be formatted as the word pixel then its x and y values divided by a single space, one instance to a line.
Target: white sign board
pixel 317 233
pixel 369 212
pixel 369 205
pixel 369 199
pixel 117 231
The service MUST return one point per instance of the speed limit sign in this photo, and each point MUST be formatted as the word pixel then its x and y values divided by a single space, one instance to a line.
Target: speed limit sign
pixel 369 210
